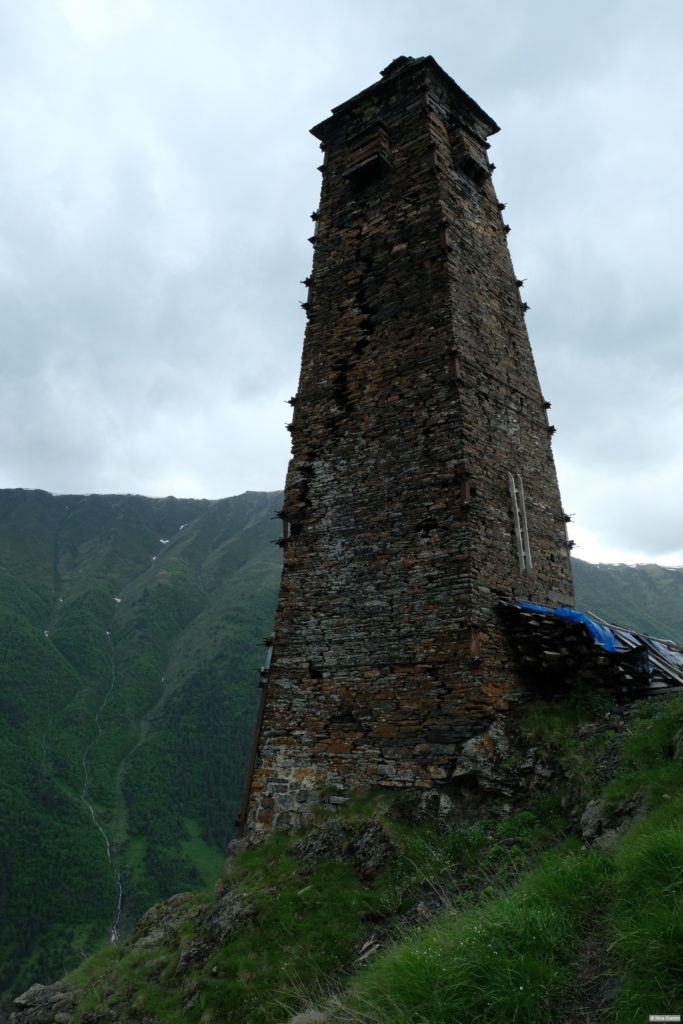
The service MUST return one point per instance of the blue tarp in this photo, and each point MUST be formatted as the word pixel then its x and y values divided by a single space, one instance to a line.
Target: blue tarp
pixel 659 660
pixel 602 635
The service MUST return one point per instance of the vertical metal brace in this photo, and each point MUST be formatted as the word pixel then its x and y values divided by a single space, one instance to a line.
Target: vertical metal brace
pixel 515 516
pixel 525 525
pixel 521 524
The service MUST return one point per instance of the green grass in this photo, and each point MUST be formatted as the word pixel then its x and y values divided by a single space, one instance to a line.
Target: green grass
pixel 207 859
pixel 508 960
pixel 646 917
pixel 308 933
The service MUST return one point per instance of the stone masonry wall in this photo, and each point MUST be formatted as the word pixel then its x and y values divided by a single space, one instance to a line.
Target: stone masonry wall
pixel 418 396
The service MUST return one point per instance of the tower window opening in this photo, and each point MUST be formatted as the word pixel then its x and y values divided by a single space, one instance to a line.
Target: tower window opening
pixel 455 365
pixel 368 153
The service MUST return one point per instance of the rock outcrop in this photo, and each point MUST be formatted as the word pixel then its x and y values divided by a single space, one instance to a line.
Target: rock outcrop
pixel 44 1004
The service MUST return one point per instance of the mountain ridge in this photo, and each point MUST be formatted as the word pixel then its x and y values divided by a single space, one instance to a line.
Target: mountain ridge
pixel 647 597
pixel 130 633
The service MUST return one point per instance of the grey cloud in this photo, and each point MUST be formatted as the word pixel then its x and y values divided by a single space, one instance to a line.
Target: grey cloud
pixel 154 212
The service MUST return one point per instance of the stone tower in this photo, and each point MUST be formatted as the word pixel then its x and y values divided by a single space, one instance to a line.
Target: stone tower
pixel 422 488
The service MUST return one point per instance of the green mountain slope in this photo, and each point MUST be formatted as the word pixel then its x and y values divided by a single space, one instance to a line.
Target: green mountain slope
pixel 130 631
pixel 645 597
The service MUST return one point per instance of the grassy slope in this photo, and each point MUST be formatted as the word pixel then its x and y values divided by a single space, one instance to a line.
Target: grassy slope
pixel 525 912
pixel 175 682
pixel 521 956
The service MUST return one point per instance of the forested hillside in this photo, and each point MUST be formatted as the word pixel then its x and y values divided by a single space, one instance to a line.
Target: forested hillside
pixel 130 638
pixel 644 597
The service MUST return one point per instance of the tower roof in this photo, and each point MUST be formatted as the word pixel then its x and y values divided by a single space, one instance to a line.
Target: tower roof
pixel 390 73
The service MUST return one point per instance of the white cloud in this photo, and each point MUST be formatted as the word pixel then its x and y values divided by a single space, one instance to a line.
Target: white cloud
pixel 97 20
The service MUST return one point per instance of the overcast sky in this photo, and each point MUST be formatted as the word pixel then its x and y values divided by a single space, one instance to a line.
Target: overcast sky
pixel 156 180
